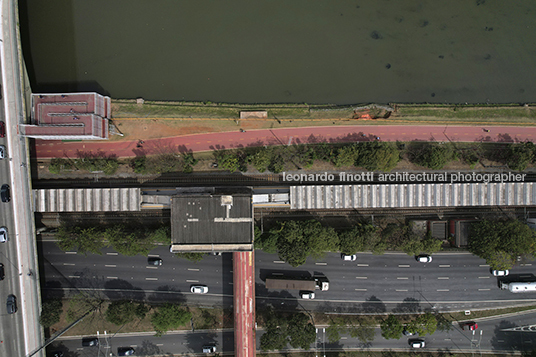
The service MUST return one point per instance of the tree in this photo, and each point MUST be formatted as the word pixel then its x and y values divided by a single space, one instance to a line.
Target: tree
pixel 260 158
pixel 296 240
pixel 274 339
pixel 520 155
pixel 120 312
pixel 169 317
pixel 363 332
pixel 228 160
pixel 345 156
pixel 51 312
pixel 301 332
pixel 128 244
pixel 432 155
pixel 416 245
pixel 500 242
pixel 391 328
pixel 139 164
pixel 375 156
pixel 361 237
pixel 83 240
pixel 423 325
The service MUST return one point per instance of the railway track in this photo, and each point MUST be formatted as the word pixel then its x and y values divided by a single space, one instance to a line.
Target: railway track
pixel 216 179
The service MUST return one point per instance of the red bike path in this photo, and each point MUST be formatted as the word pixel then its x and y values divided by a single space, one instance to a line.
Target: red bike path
pixel 334 134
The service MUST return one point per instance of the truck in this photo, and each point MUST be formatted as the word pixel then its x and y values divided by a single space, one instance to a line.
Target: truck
pixel 519 287
pixel 297 284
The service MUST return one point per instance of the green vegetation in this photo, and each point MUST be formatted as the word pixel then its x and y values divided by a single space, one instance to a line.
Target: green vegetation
pixel 294 241
pixel 423 325
pixel 193 257
pixel 500 242
pixel 50 312
pixel 519 156
pixel 169 317
pixel 361 330
pixel 124 311
pixel 432 155
pixel 282 329
pixel 127 241
pixel 391 328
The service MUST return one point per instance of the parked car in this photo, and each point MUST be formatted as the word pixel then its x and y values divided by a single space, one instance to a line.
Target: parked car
pixel 11 304
pixel 349 258
pixel 56 354
pixel 2 152
pixel 90 341
pixel 500 272
pixel 307 295
pixel 199 289
pixel 417 343
pixel 154 261
pixel 125 351
pixel 423 258
pixel 2 129
pixel 407 333
pixel 5 193
pixel 3 234
pixel 209 349
pixel 471 325
pixel 2 272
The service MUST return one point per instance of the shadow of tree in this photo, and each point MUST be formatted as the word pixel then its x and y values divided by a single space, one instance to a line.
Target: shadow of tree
pixel 119 289
pixel 408 305
pixel 148 348
pixel 373 305
pixel 60 347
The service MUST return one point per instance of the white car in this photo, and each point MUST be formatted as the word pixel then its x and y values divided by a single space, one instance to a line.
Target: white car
pixel 3 234
pixel 417 343
pixel 209 349
pixel 423 258
pixel 349 258
pixel 307 295
pixel 199 289
pixel 2 151
pixel 500 272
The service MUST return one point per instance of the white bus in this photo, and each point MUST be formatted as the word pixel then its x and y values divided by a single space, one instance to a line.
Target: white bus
pixel 517 287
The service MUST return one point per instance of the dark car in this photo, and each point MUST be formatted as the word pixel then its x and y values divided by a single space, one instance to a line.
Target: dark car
pixel 56 354
pixel 90 341
pixel 11 304
pixel 2 273
pixel 2 129
pixel 5 194
pixel 125 351
pixel 154 261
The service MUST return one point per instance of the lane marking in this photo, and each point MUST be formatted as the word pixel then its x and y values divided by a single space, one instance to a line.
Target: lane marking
pixel 403 265
pixel 74 276
pixel 484 265
pixel 193 269
pixel 401 289
pixel 442 289
pixel 484 289
pixel 110 265
pixel 360 289
pixel 111 277
pixel 277 273
pixel 192 281
pixel 160 344
pixel 151 267
pixel 279 262
pixel 444 266
pixel 362 265
pixel 527 265
pixel 112 253
pixel 68 264
pixel 402 278
pixel 361 277
pixel 443 277
pixel 70 252
pixel 321 263
pixel 483 277
pixel 151 278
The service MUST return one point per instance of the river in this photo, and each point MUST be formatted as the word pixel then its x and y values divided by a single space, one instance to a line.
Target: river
pixel 275 51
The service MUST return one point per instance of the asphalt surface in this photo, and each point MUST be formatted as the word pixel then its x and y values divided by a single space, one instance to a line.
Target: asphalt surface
pixel 331 134
pixel 493 334
pixel 371 284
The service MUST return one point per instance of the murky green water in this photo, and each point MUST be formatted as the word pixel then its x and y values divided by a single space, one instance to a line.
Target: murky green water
pixel 313 51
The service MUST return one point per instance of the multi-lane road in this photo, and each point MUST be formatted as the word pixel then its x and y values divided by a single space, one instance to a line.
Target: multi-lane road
pixel 391 282
pixel 505 333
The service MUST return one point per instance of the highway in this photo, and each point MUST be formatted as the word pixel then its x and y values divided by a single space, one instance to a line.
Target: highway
pixel 493 334
pixel 372 283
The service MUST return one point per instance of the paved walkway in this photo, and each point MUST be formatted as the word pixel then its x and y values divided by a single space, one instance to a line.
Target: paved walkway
pixel 333 134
